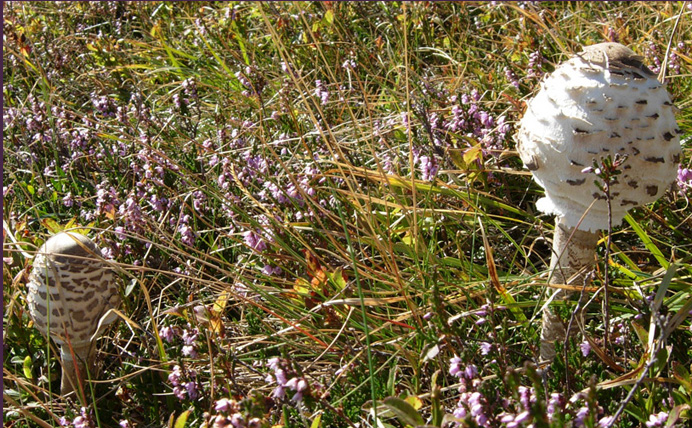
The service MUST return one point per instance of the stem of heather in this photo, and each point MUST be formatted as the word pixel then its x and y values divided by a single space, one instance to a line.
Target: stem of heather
pixel 606 282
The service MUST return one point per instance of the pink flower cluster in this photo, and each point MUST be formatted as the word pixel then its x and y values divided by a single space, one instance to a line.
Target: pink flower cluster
pixel 230 415
pixel 287 379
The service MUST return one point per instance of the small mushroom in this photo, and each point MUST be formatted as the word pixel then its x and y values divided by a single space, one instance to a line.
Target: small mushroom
pixel 70 288
pixel 602 101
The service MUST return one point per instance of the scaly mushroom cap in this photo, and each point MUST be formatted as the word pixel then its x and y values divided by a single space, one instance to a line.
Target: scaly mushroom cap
pixel 70 288
pixel 600 102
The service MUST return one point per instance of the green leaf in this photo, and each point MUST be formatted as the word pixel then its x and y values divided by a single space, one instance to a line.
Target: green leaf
pixel 414 401
pixel 683 376
pixel 239 39
pixel 675 413
pixel 317 422
pixel 648 243
pixel 404 411
pixel 337 278
pixel 642 333
pixel 329 17
pixel 472 154
pixel 182 419
pixel 661 360
pixel 658 300
pixel 26 366
pixel 130 287
pixel 52 225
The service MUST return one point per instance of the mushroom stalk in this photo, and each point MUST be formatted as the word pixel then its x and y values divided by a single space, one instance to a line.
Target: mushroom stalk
pixel 74 372
pixel 572 259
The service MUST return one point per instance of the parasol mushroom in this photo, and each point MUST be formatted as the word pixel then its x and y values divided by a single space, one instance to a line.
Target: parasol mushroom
pixel 70 288
pixel 602 102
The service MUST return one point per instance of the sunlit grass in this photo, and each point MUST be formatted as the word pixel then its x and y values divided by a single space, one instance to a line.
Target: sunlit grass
pixel 326 192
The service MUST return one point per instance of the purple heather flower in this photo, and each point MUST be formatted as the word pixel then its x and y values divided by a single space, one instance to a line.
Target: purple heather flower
pixel 473 401
pixel 471 371
pixel 125 424
pixel 273 363
pixel 506 418
pixel 684 180
pixel 605 421
pixel 486 348
pixel 556 402
pixel 526 397
pixel 349 64
pixel 429 167
pixel 674 62
pixel 459 412
pixel 657 420
pixel 190 88
pixel 107 253
pixel 582 413
pixel 519 419
pixel 254 241
pixel 321 92
pixel 280 376
pixel 178 101
pixel 175 375
pixel 67 200
pixel 179 393
pixel 536 61
pixel 198 200
pixel 83 420
pixel 585 348
pixel 190 336
pixel 189 351
pixel 227 406
pixel 270 270
pixel 220 421
pixel 191 389
pixel 511 77
pixel 455 366
pixel 187 235
pixel 279 392
pixel 167 334
pixel 286 68
pixel 243 80
pixel 299 385
pixel 486 119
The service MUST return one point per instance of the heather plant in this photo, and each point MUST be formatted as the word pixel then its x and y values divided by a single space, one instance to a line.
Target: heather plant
pixel 318 217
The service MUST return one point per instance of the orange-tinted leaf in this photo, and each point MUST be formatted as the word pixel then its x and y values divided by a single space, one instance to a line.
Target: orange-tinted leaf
pixel 314 267
pixel 220 303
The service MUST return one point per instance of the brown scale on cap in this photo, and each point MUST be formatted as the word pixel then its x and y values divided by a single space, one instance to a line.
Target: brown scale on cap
pixel 70 288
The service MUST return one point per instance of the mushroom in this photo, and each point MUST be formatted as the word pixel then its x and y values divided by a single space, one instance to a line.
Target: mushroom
pixel 602 102
pixel 70 288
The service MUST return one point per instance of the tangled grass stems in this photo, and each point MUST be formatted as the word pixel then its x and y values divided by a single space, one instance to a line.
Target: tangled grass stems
pixel 292 194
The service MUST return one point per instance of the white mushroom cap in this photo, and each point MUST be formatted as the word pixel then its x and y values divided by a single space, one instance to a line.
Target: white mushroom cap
pixel 70 288
pixel 600 102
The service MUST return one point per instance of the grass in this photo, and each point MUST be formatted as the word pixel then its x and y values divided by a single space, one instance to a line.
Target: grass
pixel 319 219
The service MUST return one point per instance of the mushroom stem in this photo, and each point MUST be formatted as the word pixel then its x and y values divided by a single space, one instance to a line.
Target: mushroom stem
pixel 572 259
pixel 75 371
